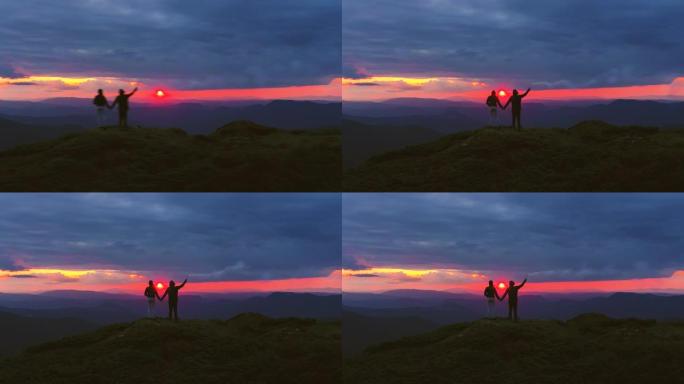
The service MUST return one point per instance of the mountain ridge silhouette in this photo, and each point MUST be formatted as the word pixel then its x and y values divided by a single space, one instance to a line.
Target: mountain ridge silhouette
pixel 239 156
pixel 590 156
pixel 590 348
pixel 189 351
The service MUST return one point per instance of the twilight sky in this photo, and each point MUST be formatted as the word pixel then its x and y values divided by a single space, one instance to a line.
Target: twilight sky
pixel 209 49
pixel 562 242
pixel 564 49
pixel 224 242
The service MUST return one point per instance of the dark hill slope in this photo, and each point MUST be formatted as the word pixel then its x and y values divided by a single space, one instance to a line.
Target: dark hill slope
pixel 359 331
pixel 362 141
pixel 241 156
pixel 248 348
pixel 13 133
pixel 587 349
pixel 591 156
pixel 16 332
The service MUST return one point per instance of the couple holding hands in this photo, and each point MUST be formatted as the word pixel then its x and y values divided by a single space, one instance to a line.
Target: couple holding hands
pixel 171 290
pixel 100 101
pixel 516 106
pixel 512 292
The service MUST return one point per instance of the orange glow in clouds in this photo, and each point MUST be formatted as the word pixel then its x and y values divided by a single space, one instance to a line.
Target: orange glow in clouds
pixel 43 279
pixel 375 279
pixel 391 87
pixel 49 86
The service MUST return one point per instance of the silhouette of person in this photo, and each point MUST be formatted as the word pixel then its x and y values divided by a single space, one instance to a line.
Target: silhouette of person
pixel 491 294
pixel 516 101
pixel 172 291
pixel 512 292
pixel 151 294
pixel 492 103
pixel 101 103
pixel 122 102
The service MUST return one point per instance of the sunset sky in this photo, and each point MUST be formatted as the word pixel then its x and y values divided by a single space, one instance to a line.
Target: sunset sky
pixel 223 242
pixel 561 242
pixel 462 49
pixel 196 50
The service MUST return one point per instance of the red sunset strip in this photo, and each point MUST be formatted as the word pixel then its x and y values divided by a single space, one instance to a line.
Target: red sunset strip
pixel 147 93
pixel 330 283
pixel 673 91
pixel 672 284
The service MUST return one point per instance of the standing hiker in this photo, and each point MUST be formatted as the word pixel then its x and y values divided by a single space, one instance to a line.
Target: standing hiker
pixel 122 102
pixel 492 295
pixel 101 104
pixel 512 292
pixel 516 101
pixel 172 291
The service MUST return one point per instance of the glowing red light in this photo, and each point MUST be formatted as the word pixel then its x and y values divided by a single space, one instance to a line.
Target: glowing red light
pixel 160 93
pixel 160 285
pixel 502 93
pixel 502 285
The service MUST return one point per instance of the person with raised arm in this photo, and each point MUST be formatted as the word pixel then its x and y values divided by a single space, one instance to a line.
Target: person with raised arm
pixel 512 293
pixel 516 101
pixel 172 291
pixel 122 102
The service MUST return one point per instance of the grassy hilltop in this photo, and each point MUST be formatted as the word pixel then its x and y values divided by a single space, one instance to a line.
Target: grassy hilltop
pixel 587 349
pixel 241 156
pixel 590 156
pixel 248 348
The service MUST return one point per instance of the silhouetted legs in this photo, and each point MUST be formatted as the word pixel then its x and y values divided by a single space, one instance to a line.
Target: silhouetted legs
pixel 491 308
pixel 150 307
pixel 123 119
pixel 173 309
pixel 493 117
pixel 513 311
pixel 101 117
pixel 516 120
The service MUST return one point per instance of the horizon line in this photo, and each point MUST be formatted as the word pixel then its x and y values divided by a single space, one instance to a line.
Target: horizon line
pixel 185 292
pixel 539 293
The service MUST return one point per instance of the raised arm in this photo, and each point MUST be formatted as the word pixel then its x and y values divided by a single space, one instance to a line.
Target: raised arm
pixel 526 92
pixel 523 283
pixel 183 285
pixel 133 93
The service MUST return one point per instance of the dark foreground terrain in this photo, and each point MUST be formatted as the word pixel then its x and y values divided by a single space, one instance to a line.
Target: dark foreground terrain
pixel 248 348
pixel 587 349
pixel 241 156
pixel 590 156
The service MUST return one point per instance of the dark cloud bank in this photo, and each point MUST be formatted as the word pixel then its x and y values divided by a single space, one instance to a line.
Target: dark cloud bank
pixel 188 44
pixel 211 236
pixel 549 236
pixel 578 43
